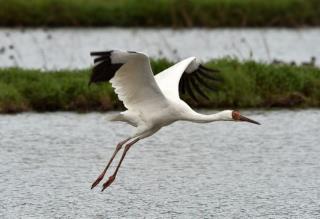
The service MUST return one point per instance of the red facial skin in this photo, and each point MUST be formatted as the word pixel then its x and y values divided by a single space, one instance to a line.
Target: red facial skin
pixel 236 115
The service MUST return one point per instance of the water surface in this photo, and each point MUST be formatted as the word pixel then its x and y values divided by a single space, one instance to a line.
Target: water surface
pixel 70 48
pixel 219 170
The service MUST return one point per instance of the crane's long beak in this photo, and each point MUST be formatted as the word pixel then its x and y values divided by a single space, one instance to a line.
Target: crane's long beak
pixel 245 119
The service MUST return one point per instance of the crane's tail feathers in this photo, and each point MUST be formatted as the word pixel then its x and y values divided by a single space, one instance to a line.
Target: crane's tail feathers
pixel 119 117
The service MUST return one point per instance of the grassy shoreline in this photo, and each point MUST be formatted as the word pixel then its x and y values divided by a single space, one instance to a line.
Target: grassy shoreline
pixel 161 13
pixel 245 85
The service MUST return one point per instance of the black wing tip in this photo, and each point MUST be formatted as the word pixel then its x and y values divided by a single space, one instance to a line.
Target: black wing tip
pixel 103 70
pixel 101 53
pixel 204 83
pixel 107 53
pixel 190 92
pixel 197 88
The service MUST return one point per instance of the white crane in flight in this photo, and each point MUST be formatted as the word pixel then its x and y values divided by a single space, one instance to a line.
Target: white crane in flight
pixel 153 102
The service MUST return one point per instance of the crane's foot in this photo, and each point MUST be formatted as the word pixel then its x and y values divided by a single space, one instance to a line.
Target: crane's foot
pixel 108 183
pixel 95 183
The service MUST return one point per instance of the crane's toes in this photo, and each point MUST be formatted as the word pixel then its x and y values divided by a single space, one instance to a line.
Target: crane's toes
pixel 108 183
pixel 95 183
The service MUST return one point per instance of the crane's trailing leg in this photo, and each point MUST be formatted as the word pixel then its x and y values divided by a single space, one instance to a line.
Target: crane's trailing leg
pixel 118 148
pixel 112 178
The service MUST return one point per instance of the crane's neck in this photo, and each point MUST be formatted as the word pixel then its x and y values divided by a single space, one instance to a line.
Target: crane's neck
pixel 225 115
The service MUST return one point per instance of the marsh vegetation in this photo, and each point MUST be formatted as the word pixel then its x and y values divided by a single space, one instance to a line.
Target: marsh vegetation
pixel 243 85
pixel 190 13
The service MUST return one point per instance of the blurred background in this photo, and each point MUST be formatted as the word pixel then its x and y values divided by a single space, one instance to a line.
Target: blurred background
pixel 268 54
pixel 246 39
pixel 36 32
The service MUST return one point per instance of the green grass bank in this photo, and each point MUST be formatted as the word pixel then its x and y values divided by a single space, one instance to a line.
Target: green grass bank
pixel 244 85
pixel 160 13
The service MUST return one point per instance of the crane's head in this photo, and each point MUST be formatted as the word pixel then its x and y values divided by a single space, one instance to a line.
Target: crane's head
pixel 236 116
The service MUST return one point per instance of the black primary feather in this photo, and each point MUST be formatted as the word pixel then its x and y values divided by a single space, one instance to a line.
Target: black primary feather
pixel 105 53
pixel 207 73
pixel 194 80
pixel 202 82
pixel 204 74
pixel 189 90
pixel 182 86
pixel 197 88
pixel 99 59
pixel 103 69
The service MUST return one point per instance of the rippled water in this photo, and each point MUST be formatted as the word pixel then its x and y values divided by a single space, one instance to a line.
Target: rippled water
pixel 70 48
pixel 218 170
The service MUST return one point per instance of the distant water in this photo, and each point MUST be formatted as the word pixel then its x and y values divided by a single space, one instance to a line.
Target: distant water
pixel 70 48
pixel 218 170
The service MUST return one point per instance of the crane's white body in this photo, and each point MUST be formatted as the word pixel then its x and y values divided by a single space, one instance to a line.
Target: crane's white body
pixel 153 101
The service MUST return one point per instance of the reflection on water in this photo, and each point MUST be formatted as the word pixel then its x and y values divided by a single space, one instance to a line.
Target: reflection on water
pixel 70 48
pixel 221 170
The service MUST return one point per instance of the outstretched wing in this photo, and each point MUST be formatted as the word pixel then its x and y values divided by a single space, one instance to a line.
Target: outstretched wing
pixel 187 77
pixel 131 75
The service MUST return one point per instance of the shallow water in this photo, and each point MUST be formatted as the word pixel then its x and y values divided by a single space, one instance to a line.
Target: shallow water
pixel 218 170
pixel 70 48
